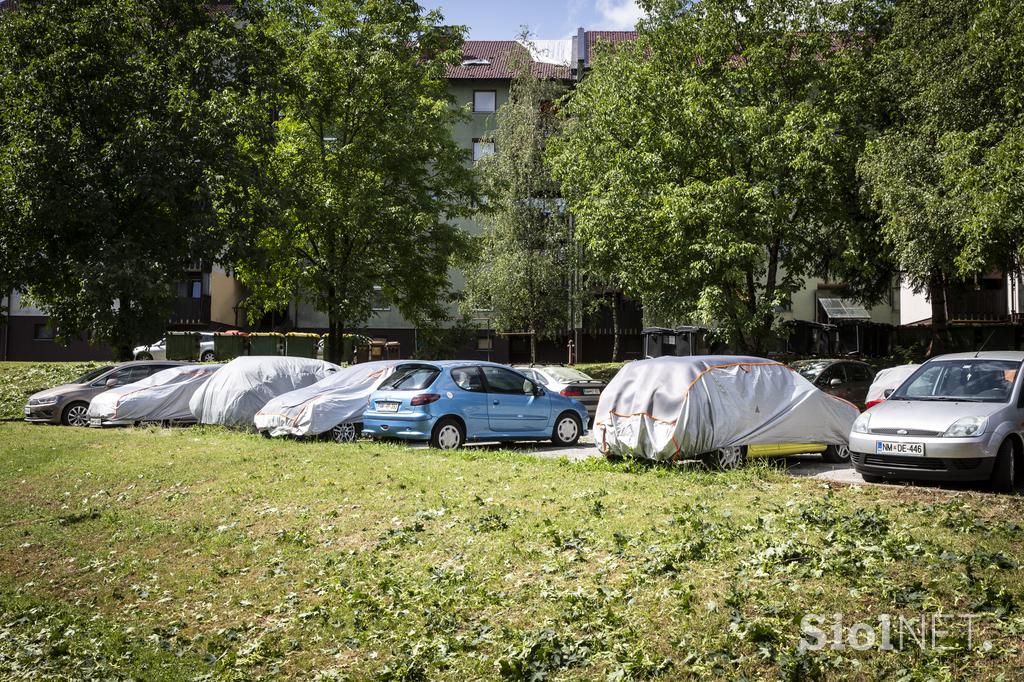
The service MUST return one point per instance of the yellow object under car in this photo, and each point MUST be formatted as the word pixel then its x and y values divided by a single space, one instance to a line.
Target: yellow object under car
pixel 783 449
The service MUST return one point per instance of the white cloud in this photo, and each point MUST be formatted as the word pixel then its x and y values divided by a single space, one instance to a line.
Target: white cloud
pixel 618 14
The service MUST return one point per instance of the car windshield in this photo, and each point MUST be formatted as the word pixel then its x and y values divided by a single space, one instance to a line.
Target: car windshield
pixel 93 374
pixel 972 380
pixel 811 369
pixel 410 378
pixel 566 374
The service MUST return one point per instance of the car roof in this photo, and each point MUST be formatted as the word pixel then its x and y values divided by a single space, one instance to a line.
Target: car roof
pixel 828 361
pixel 142 363
pixel 441 364
pixel 1011 355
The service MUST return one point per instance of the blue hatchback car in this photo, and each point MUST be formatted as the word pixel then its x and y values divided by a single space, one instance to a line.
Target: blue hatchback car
pixel 452 402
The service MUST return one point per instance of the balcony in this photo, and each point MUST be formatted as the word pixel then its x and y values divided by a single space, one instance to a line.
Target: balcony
pixel 191 310
pixel 985 305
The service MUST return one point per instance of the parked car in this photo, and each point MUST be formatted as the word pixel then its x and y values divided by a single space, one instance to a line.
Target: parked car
pixel 333 406
pixel 158 349
pixel 68 404
pixel 450 403
pixel 161 397
pixel 846 379
pixel 958 417
pixel 569 382
pixel 234 395
pixel 720 409
pixel 887 381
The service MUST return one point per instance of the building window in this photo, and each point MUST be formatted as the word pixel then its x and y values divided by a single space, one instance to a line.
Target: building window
pixel 484 343
pixel 42 332
pixel 190 288
pixel 482 148
pixel 378 303
pixel 484 101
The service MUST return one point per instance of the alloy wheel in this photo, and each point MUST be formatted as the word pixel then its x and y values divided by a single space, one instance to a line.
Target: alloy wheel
pixel 76 415
pixel 730 458
pixel 344 433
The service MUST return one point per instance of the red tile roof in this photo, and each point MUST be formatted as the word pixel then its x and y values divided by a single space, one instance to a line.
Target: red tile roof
pixel 501 54
pixel 593 37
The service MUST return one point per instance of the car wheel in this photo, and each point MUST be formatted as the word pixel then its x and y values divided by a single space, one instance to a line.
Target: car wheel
pixel 345 433
pixel 143 356
pixel 837 454
pixel 207 356
pixel 1004 471
pixel 567 429
pixel 872 478
pixel 448 434
pixel 726 459
pixel 74 414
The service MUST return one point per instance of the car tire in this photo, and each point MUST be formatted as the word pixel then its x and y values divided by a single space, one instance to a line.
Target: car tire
pixel 726 459
pixel 1004 471
pixel 873 478
pixel 143 356
pixel 567 430
pixel 448 434
pixel 75 414
pixel 207 356
pixel 836 454
pixel 346 433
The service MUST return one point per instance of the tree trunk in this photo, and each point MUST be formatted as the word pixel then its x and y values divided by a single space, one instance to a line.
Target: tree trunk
pixel 533 347
pixel 940 318
pixel 616 331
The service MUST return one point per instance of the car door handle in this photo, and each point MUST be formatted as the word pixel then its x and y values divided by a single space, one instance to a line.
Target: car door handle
pixel 496 402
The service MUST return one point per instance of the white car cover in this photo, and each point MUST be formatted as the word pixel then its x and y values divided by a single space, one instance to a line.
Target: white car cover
pixel 162 396
pixel 235 394
pixel 673 408
pixel 339 399
pixel 889 378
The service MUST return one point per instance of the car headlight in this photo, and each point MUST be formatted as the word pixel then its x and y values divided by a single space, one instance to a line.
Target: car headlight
pixel 861 425
pixel 966 427
pixel 52 400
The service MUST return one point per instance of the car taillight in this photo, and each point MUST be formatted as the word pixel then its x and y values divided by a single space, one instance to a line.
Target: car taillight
pixel 571 392
pixel 872 403
pixel 424 399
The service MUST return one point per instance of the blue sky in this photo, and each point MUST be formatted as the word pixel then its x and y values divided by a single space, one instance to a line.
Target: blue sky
pixel 547 19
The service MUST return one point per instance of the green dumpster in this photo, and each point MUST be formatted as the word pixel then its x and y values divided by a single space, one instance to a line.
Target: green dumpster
pixel 265 343
pixel 299 345
pixel 229 345
pixel 182 345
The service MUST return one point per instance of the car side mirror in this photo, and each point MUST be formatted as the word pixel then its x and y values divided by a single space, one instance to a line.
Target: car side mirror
pixel 888 392
pixel 537 390
pixel 111 382
pixel 836 382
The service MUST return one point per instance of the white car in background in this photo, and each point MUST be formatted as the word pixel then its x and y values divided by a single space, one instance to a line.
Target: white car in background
pixel 158 349
pixel 568 381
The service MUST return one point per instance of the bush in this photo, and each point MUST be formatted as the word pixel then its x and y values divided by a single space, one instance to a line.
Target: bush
pixel 19 380
pixel 600 370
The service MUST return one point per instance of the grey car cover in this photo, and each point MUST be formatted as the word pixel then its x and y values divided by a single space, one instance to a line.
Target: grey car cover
pixel 234 395
pixel 889 378
pixel 339 399
pixel 679 407
pixel 162 396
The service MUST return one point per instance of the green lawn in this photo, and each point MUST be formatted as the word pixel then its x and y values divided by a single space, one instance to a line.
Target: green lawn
pixel 200 553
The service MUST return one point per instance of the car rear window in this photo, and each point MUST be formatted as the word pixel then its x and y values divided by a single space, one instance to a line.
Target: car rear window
pixel 567 374
pixel 411 378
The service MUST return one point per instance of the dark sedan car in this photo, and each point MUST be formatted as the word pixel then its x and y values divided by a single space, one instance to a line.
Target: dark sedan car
pixel 846 379
pixel 68 404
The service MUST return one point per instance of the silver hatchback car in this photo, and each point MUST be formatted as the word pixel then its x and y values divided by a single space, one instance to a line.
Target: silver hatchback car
pixel 958 417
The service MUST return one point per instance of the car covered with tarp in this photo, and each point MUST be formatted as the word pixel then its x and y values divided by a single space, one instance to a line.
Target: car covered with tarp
pixel 712 407
pixel 887 381
pixel 334 405
pixel 234 395
pixel 161 397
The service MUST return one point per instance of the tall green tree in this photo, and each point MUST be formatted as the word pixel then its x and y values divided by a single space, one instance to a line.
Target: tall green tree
pixel 366 178
pixel 945 176
pixel 526 257
pixel 120 125
pixel 713 161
